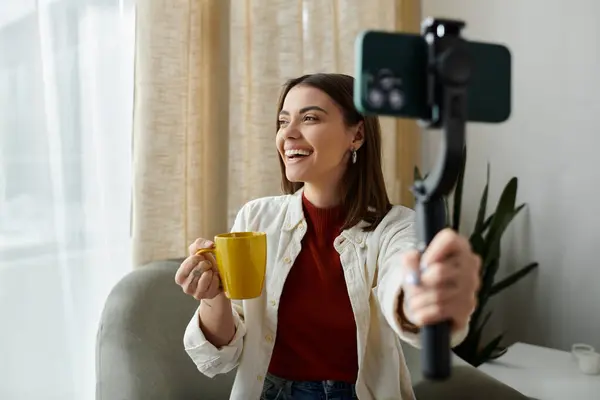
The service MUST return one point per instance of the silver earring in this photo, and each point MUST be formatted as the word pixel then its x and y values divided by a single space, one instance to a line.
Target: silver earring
pixel 354 156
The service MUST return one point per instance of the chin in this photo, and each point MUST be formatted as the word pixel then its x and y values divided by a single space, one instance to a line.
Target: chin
pixel 295 177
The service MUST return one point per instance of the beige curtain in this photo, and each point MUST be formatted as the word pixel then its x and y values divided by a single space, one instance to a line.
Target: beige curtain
pixel 208 73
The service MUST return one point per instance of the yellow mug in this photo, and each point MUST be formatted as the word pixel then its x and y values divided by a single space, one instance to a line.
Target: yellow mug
pixel 241 261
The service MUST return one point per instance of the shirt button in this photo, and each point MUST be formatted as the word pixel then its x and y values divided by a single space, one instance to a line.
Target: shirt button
pixel 259 378
pixel 269 338
pixel 273 303
pixel 287 260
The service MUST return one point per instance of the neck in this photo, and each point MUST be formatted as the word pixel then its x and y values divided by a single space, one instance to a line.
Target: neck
pixel 322 197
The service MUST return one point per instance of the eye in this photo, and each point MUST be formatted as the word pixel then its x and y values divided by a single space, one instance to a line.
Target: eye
pixel 310 118
pixel 282 122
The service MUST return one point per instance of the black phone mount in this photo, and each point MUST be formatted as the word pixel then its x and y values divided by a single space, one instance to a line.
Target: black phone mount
pixel 449 70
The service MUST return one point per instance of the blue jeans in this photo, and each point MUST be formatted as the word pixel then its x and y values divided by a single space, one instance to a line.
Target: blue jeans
pixel 276 388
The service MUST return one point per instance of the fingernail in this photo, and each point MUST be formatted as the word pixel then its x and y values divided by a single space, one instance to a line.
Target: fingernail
pixel 422 265
pixel 413 278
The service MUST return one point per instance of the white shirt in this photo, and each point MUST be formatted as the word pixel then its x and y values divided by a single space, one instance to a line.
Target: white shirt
pixel 373 276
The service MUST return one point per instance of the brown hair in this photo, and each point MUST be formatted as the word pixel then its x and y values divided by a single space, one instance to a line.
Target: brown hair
pixel 365 196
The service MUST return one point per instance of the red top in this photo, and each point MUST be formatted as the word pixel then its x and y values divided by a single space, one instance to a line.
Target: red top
pixel 316 331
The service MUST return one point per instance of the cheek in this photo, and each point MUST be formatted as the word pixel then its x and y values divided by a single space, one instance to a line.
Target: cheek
pixel 278 140
pixel 330 143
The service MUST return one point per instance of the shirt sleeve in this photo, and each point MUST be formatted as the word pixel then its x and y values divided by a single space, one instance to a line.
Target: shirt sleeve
pixel 401 237
pixel 209 359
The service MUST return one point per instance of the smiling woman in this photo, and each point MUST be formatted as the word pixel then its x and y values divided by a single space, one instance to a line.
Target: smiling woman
pixel 317 116
pixel 340 262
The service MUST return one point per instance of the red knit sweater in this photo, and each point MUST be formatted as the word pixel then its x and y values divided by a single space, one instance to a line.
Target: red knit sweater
pixel 316 331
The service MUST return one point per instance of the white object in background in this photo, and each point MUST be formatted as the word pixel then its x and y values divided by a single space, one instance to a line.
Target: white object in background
pixel 588 361
pixel 543 373
pixel 580 347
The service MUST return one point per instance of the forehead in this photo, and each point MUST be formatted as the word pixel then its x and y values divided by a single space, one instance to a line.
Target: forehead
pixel 302 96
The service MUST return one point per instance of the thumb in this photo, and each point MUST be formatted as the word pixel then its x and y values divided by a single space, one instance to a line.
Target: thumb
pixel 411 261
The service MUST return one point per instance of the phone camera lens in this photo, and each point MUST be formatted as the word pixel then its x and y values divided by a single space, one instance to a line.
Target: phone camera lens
pixel 376 97
pixel 396 99
pixel 387 83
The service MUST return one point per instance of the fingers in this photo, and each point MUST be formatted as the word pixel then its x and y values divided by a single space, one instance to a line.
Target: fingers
pixel 443 290
pixel 203 285
pixel 200 244
pixel 432 296
pixel 212 289
pixel 186 268
pixel 440 275
pixel 461 270
pixel 210 257
pixel 410 262
pixel 428 307
pixel 189 264
pixel 446 243
pixel 193 279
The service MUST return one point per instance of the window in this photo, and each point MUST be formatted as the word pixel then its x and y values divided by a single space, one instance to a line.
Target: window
pixel 66 106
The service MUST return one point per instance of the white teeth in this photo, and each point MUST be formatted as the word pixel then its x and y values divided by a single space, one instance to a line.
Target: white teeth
pixel 297 152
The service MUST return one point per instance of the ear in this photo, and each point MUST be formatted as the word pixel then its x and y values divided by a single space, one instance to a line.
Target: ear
pixel 359 135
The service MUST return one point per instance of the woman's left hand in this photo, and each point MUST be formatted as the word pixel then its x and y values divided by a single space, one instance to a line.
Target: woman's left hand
pixel 442 283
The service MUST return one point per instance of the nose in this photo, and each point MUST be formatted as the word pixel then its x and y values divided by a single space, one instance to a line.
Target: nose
pixel 291 131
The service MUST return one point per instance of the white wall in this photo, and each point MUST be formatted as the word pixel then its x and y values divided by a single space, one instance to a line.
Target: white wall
pixel 551 143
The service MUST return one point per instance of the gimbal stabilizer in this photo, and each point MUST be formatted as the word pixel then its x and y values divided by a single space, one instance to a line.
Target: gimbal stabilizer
pixel 449 70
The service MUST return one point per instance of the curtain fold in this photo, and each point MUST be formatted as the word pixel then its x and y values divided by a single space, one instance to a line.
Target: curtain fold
pixel 181 126
pixel 208 76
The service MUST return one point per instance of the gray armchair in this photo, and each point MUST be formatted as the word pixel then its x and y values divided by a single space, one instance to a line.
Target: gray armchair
pixel 140 355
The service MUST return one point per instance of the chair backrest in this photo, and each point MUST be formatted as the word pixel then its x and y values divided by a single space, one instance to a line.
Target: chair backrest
pixel 139 348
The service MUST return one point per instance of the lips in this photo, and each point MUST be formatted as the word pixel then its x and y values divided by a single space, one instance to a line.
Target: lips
pixel 295 155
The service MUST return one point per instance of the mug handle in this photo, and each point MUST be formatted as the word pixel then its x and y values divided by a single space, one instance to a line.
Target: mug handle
pixel 202 251
pixel 577 348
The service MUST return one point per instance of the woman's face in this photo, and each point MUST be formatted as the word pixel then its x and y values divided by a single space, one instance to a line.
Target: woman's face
pixel 313 140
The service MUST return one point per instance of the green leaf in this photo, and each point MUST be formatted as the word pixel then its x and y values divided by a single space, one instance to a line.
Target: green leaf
pixel 486 353
pixel 498 352
pixel 477 243
pixel 496 231
pixel 477 330
pixel 488 278
pixel 487 223
pixel 479 223
pixel 447 211
pixel 504 210
pixel 417 174
pixel 458 191
pixel 512 279
pixel 485 320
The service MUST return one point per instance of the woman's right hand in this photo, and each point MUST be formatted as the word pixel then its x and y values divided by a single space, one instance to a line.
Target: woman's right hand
pixel 198 275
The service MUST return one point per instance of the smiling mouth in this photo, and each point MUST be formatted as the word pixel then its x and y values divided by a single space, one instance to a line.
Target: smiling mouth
pixel 296 155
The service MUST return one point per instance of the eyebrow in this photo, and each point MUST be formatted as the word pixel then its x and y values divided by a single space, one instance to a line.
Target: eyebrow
pixel 303 110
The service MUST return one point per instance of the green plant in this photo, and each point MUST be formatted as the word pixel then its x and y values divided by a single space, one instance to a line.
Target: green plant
pixel 485 241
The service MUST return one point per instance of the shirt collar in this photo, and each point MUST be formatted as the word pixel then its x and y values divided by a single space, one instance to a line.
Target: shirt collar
pixel 295 215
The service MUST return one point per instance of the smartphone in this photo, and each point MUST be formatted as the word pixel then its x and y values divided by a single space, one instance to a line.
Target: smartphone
pixel 391 77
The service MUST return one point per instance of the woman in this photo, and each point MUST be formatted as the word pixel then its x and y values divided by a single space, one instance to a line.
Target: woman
pixel 344 281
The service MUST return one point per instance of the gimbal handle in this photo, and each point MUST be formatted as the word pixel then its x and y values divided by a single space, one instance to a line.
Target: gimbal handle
pixel 449 70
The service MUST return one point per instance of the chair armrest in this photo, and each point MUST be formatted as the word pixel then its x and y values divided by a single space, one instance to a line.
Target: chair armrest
pixel 139 347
